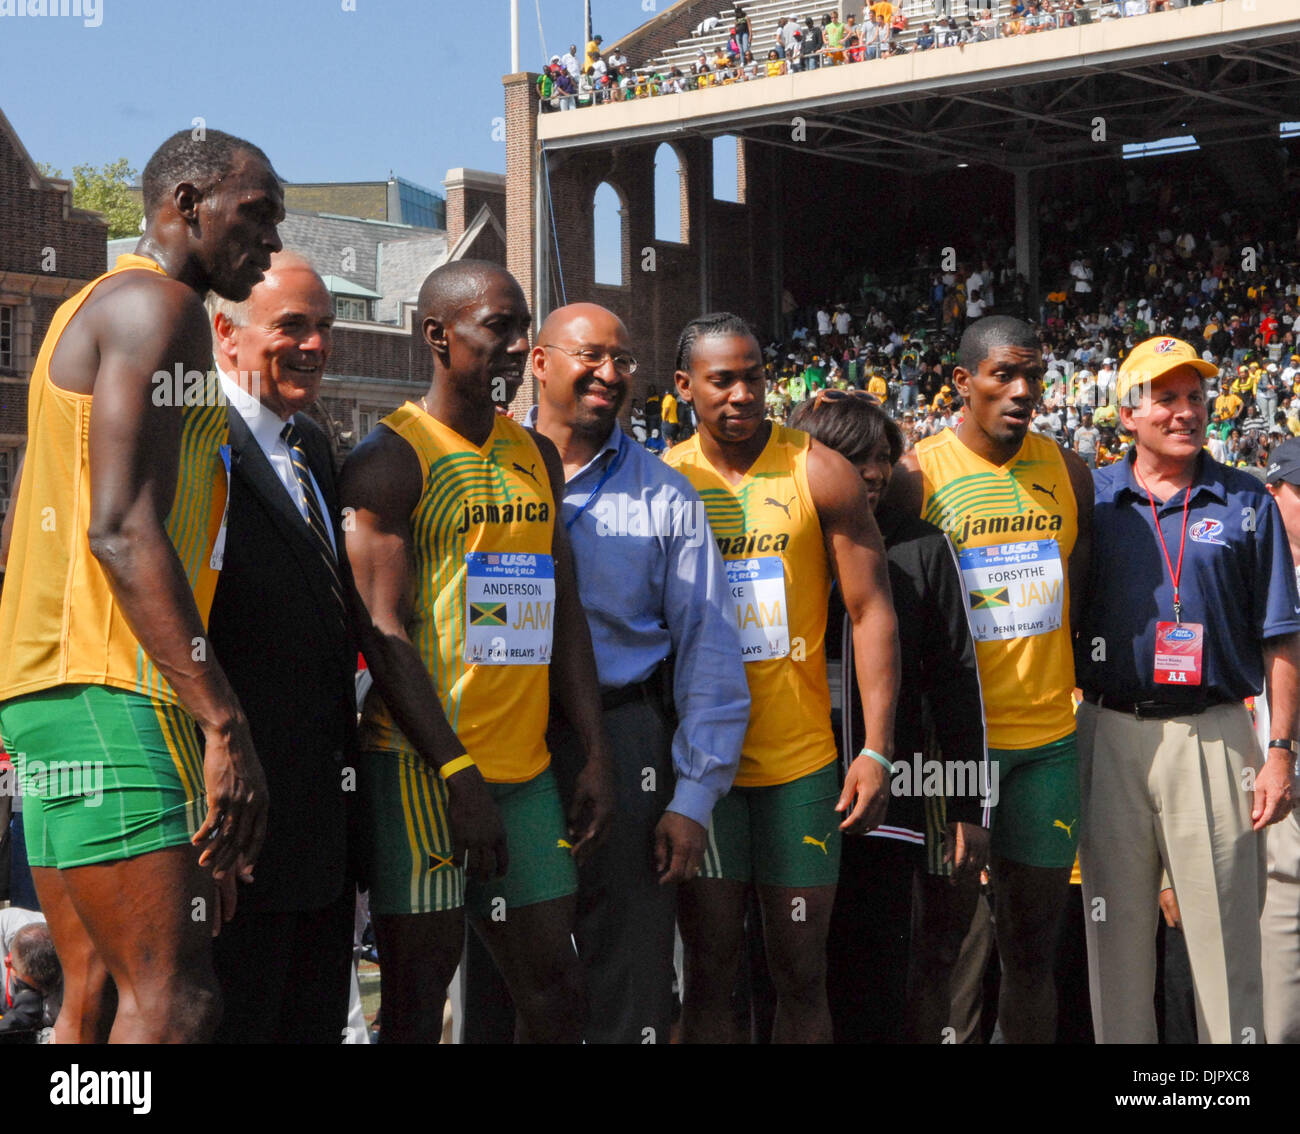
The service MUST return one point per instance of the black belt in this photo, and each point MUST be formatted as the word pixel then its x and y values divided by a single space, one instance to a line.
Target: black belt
pixel 651 690
pixel 1156 710
pixel 625 695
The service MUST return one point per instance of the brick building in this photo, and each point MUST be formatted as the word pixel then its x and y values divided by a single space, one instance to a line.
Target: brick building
pixel 373 269
pixel 48 250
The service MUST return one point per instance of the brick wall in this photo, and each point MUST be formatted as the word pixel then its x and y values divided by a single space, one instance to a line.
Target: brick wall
pixel 33 219
pixel 662 289
pixel 521 164
pixel 380 354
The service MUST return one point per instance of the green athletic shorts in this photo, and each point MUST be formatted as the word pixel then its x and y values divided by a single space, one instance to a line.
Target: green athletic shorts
pixel 784 835
pixel 105 774
pixel 1036 820
pixel 407 845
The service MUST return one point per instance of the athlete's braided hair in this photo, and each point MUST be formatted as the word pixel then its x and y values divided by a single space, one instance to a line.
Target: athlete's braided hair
pixel 715 323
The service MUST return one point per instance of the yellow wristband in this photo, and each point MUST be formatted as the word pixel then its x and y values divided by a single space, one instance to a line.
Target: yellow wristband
pixel 451 767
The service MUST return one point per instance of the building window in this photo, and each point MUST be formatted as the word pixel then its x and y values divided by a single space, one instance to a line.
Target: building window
pixel 726 169
pixel 670 196
pixel 609 229
pixel 7 323
pixel 348 307
pixel 367 419
pixel 8 461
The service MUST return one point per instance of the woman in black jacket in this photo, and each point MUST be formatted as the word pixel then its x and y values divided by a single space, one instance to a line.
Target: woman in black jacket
pixel 908 892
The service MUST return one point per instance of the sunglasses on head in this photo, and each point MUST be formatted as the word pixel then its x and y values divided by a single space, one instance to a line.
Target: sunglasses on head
pixel 834 395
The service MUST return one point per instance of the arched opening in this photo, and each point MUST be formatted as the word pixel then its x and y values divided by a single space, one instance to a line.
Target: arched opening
pixel 671 211
pixel 726 169
pixel 609 232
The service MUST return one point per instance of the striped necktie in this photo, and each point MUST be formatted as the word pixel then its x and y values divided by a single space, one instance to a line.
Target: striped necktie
pixel 315 518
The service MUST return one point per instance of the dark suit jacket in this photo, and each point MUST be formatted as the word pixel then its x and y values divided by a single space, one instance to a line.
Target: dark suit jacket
pixel 275 633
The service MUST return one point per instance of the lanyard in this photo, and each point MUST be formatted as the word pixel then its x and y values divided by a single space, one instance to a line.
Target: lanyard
pixel 1182 542
pixel 609 471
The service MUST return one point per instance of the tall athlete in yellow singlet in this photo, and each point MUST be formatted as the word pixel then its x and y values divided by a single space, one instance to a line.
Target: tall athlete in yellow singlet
pixel 788 515
pixel 1017 507
pixel 471 621
pixel 104 668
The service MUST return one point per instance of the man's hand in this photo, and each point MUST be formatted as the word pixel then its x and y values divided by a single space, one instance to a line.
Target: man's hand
pixel 966 846
pixel 591 809
pixel 1169 907
pixel 679 847
pixel 477 833
pixel 1272 798
pixel 866 787
pixel 235 825
pixel 225 894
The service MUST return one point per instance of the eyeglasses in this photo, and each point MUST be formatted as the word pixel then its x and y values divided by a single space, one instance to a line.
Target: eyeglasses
pixel 624 364
pixel 831 394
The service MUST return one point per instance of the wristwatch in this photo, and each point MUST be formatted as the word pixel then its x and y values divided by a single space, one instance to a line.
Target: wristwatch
pixel 1292 746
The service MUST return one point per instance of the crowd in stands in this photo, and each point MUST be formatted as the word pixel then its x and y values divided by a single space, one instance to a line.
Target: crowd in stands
pixel 1183 267
pixel 838 37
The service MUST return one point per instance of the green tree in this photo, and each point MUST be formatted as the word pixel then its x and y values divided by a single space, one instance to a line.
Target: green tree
pixel 107 191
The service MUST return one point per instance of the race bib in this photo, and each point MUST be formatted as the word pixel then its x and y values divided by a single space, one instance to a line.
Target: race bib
pixel 758 590
pixel 509 608
pixel 1178 653
pixel 1015 590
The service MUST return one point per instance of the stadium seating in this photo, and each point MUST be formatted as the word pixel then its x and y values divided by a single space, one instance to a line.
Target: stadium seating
pixel 763 22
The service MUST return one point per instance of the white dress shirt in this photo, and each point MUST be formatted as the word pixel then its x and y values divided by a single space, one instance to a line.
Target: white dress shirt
pixel 266 427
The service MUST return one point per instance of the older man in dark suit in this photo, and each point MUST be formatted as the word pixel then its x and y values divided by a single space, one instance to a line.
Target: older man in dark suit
pixel 279 624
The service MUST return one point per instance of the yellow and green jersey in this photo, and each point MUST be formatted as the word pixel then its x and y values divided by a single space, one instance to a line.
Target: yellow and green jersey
pixel 1014 527
pixel 59 621
pixel 483 593
pixel 767 530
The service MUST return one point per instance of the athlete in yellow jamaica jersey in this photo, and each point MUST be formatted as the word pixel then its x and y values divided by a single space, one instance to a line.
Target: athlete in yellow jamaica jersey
pixel 111 570
pixel 468 583
pixel 789 515
pixel 1018 508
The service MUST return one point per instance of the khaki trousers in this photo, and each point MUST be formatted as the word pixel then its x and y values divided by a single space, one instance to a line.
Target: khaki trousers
pixel 1280 927
pixel 1170 794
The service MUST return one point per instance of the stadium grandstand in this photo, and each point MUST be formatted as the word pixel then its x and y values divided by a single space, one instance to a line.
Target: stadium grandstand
pixel 856 183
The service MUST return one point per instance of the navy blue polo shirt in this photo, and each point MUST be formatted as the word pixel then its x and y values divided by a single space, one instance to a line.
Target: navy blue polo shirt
pixel 1238 581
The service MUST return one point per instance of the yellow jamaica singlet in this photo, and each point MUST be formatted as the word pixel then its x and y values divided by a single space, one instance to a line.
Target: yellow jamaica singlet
pixel 770 538
pixel 59 621
pixel 1014 527
pixel 483 602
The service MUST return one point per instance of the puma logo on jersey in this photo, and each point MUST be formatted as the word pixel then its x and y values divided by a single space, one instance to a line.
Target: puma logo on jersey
pixel 1067 828
pixel 563 844
pixel 810 841
pixel 777 504
pixel 1047 492
pixel 530 471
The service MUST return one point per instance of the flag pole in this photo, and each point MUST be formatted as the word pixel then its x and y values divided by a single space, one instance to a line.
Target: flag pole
pixel 514 37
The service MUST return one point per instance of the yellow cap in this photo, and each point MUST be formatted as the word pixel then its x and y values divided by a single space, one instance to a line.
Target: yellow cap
pixel 1151 360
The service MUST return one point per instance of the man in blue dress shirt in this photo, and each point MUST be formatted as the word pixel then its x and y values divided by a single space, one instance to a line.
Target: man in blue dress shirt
pixel 676 703
pixel 1192 602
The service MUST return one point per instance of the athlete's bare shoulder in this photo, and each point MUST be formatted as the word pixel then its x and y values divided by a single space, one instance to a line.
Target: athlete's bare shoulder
pixel 132 325
pixel 1080 479
pixel 381 475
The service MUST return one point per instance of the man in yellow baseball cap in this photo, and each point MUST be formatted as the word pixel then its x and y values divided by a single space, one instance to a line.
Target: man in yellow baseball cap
pixel 1193 593
pixel 1153 359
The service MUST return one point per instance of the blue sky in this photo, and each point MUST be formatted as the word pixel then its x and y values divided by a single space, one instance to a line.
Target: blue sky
pixel 410 86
